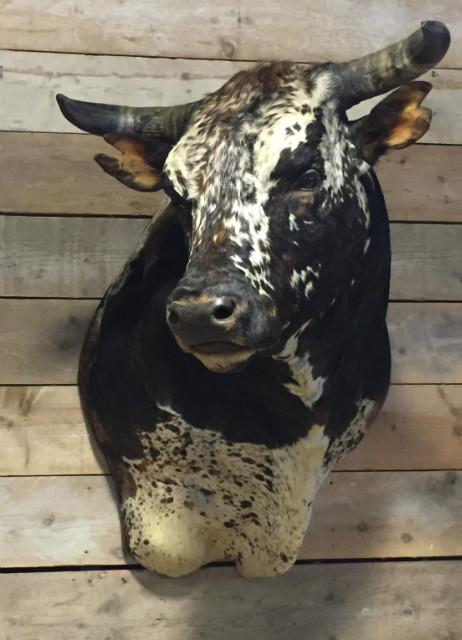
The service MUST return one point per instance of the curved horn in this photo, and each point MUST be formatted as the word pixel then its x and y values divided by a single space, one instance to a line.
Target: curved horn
pixel 100 119
pixel 394 65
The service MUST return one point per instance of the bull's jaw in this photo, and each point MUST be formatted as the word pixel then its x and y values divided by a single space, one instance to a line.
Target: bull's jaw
pixel 219 358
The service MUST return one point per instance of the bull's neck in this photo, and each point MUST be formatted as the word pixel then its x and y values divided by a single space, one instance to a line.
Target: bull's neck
pixel 307 382
pixel 311 354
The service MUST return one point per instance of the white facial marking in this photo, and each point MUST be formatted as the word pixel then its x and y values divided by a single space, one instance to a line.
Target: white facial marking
pixel 304 385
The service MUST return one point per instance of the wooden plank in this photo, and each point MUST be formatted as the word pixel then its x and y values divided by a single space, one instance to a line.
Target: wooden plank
pixel 419 427
pixel 122 80
pixel 78 257
pixel 54 173
pixel 35 78
pixel 42 432
pixel 73 520
pixel 40 341
pixel 423 183
pixel 64 257
pixel 243 30
pixel 402 600
pixel 426 262
pixel 426 342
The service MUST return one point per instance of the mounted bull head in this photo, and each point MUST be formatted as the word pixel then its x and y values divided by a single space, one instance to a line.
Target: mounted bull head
pixel 272 262
pixel 273 137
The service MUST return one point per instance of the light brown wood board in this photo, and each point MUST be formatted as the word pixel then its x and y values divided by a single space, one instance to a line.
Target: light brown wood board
pixel 42 432
pixel 40 341
pixel 35 78
pixel 55 173
pixel 310 31
pixel 401 600
pixel 78 257
pixel 73 520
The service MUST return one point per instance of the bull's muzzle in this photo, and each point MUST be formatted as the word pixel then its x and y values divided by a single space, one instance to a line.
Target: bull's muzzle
pixel 208 326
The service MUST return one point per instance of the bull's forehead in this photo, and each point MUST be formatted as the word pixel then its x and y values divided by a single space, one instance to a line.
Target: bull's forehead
pixel 242 130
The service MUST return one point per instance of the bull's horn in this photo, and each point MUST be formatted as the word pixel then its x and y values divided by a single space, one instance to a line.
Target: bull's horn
pixel 394 65
pixel 100 119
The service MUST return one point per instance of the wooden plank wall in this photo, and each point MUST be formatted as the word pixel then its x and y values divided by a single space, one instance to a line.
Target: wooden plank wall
pixel 381 558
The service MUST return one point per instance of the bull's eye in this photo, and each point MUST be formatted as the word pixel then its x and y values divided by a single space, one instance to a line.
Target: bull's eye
pixel 309 181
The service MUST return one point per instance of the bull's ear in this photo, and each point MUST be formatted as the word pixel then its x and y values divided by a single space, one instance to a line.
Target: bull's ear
pixel 395 123
pixel 139 164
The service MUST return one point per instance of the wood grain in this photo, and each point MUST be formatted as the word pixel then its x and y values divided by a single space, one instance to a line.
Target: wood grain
pixel 402 600
pixel 426 262
pixel 40 341
pixel 426 342
pixel 73 257
pixel 35 78
pixel 42 432
pixel 54 173
pixel 419 427
pixel 332 30
pixel 73 520
pixel 78 257
pixel 423 183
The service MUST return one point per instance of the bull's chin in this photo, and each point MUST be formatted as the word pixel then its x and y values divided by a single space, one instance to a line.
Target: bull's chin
pixel 225 362
pixel 219 357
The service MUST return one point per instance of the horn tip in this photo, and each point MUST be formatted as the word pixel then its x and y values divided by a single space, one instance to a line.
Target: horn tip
pixel 63 102
pixel 437 39
pixel 68 108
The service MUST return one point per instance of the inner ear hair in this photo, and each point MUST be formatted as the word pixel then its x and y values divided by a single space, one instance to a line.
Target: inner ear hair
pixel 396 122
pixel 140 164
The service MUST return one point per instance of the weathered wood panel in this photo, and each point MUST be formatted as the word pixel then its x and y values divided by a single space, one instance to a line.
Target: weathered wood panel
pixel 419 427
pixel 426 342
pixel 423 183
pixel 54 173
pixel 40 341
pixel 73 257
pixel 73 519
pixel 240 30
pixel 426 262
pixel 78 257
pixel 35 78
pixel 42 432
pixel 402 600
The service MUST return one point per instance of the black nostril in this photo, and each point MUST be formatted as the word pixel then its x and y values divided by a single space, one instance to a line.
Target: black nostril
pixel 223 309
pixel 173 317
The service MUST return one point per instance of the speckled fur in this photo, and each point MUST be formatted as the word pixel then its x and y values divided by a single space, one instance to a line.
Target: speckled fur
pixel 201 498
pixel 224 166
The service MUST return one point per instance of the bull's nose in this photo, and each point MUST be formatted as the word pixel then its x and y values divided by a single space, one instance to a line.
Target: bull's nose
pixel 203 319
